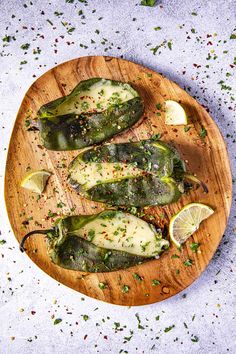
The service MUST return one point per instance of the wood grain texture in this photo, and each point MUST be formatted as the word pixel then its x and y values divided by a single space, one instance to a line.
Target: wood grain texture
pixel 207 158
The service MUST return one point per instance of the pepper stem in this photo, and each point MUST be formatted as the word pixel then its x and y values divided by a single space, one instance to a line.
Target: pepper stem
pixel 42 232
pixel 196 180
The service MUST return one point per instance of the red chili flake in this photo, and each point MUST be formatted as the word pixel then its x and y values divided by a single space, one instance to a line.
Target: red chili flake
pixel 105 337
pixel 33 312
pixel 85 336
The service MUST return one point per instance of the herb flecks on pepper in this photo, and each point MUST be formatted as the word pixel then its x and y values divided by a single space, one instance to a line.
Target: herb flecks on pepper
pixel 93 112
pixel 148 172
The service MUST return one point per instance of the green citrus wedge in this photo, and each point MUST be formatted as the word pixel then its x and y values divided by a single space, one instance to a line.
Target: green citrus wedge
pixel 186 221
pixel 174 113
pixel 36 181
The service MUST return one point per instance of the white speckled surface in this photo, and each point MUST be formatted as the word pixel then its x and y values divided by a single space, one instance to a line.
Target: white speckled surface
pixel 27 296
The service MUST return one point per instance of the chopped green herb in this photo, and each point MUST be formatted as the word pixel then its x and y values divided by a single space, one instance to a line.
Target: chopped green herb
pixel 169 44
pixel 195 339
pixel 70 30
pixel 60 205
pixel 50 22
pixel 174 256
pixel 139 321
pixel 188 263
pixel 187 128
pixel 167 329
pixel 233 36
pixel 91 235
pixel 148 2
pixel 155 282
pixel 51 214
pixel 2 242
pixel 85 317
pixel 157 28
pixel 158 105
pixel 25 46
pixel 56 13
pixel 194 246
pixel 117 325
pixel 57 320
pixel 125 289
pixel 6 39
pixel 137 277
pixel 102 286
pixel 156 136
pixel 203 133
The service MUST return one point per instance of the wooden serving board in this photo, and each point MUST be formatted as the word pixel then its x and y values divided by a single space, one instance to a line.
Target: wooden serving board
pixel 206 157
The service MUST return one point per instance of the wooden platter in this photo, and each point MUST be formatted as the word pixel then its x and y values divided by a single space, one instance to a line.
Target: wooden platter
pixel 206 157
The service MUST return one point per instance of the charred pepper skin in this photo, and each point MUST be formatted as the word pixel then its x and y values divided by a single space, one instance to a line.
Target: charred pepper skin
pixel 78 254
pixel 64 129
pixel 68 249
pixel 160 181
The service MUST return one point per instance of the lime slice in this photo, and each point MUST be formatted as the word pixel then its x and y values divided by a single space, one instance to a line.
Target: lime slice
pixel 36 181
pixel 174 113
pixel 187 220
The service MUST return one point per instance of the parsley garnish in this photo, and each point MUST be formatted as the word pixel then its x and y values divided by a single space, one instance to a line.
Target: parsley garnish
pixel 188 262
pixel 155 282
pixel 203 133
pixel 194 246
pixel 125 289
pixel 167 329
pixel 150 3
pixel 91 235
pixel 102 286
pixel 25 46
pixel 137 277
pixel 195 339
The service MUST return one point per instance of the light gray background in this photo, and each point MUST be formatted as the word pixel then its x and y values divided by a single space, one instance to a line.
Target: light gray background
pixel 207 307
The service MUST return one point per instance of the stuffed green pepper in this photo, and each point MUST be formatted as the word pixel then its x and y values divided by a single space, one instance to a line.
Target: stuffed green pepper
pixel 93 112
pixel 103 242
pixel 148 172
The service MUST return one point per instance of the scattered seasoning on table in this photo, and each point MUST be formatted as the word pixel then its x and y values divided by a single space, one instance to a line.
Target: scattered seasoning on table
pixel 167 329
pixel 57 320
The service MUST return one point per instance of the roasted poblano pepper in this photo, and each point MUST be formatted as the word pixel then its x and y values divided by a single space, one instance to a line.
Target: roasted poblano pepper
pixel 94 111
pixel 104 242
pixel 140 173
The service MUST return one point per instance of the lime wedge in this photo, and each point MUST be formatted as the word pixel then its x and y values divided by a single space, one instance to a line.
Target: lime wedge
pixel 187 220
pixel 174 113
pixel 36 181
